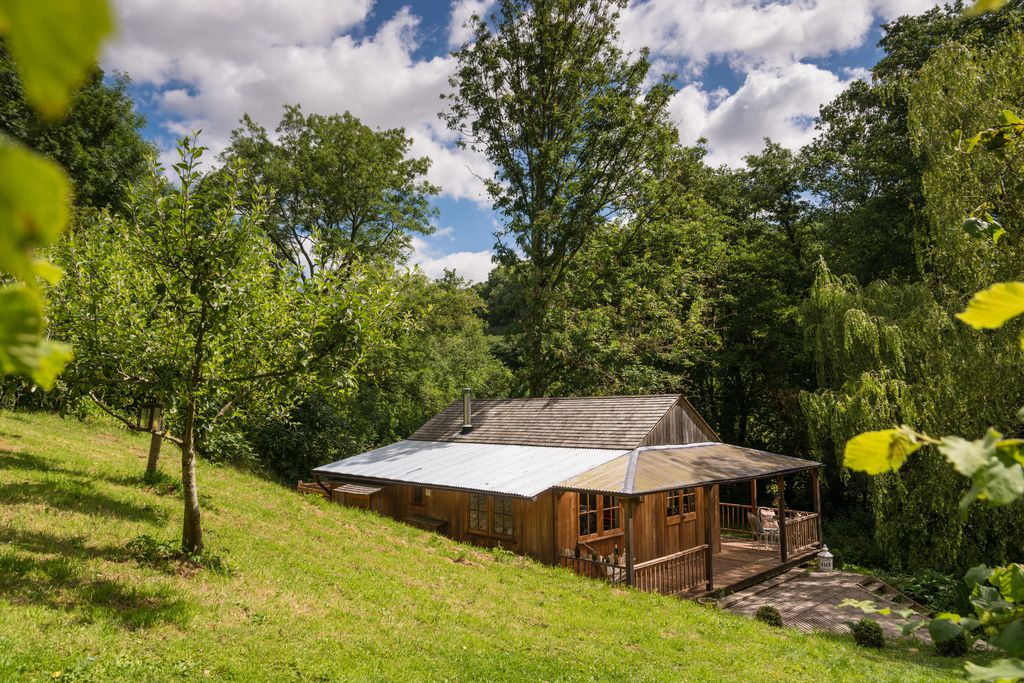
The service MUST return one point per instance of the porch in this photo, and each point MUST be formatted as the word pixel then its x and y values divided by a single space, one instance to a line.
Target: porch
pixel 737 544
pixel 741 561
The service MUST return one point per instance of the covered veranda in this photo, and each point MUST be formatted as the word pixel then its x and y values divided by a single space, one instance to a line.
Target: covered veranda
pixel 743 543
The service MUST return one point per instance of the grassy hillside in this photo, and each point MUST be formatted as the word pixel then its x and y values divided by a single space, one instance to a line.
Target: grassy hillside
pixel 320 592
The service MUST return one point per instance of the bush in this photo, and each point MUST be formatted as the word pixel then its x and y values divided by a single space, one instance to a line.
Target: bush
pixel 768 615
pixel 169 556
pixel 868 633
pixel 954 647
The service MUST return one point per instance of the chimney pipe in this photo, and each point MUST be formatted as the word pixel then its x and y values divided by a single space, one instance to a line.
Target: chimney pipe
pixel 467 410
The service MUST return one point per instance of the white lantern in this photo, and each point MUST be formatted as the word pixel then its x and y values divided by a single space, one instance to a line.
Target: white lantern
pixel 824 560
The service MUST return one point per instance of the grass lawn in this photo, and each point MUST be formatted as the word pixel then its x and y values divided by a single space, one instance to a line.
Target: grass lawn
pixel 319 592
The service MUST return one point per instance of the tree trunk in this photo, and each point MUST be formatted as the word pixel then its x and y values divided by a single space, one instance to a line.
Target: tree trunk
pixel 192 530
pixel 155 441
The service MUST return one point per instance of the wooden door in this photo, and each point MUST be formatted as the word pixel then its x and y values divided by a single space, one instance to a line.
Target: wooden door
pixel 681 520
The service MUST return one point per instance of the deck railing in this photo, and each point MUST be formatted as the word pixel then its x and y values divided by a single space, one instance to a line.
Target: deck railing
pixel 801 531
pixel 595 569
pixel 732 517
pixel 673 574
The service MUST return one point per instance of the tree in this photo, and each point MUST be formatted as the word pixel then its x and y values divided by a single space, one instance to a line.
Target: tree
pixel 182 299
pixel 546 94
pixel 340 190
pixel 98 141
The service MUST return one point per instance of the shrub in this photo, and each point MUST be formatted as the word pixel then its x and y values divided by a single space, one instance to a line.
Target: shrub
pixel 954 647
pixel 868 633
pixel 769 615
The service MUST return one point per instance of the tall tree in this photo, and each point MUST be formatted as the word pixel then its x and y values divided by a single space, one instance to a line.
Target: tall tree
pixel 98 141
pixel 183 300
pixel 340 189
pixel 574 135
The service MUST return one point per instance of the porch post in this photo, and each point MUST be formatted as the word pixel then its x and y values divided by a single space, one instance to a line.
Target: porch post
pixel 753 497
pixel 627 509
pixel 709 565
pixel 816 492
pixel 783 550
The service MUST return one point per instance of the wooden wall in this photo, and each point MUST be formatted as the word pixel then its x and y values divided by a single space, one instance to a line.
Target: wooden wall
pixel 680 425
pixel 532 519
pixel 653 534
pixel 549 525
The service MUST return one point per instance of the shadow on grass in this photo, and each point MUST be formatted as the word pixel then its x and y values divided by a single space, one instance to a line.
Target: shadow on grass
pixel 910 649
pixel 79 495
pixel 60 583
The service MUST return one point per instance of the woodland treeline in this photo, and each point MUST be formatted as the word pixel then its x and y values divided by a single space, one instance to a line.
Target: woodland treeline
pixel 797 301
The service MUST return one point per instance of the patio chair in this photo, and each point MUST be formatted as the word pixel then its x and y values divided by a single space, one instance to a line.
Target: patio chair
pixel 766 538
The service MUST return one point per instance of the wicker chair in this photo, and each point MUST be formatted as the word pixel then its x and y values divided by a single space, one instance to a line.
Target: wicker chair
pixel 766 538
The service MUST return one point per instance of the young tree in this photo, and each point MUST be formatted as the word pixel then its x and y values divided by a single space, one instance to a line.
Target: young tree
pixel 546 94
pixel 183 300
pixel 341 190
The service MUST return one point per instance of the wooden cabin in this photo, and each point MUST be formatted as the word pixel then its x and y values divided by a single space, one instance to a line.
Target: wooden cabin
pixel 623 488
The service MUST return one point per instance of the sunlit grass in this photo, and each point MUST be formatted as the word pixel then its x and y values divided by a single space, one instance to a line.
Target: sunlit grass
pixel 315 591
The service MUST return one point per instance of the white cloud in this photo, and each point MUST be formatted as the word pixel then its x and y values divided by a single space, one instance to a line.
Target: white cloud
pixel 472 265
pixel 775 102
pixel 218 60
pixel 462 10
pixel 753 33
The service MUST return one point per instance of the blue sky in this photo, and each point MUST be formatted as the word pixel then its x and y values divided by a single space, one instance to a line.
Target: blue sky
pixel 748 69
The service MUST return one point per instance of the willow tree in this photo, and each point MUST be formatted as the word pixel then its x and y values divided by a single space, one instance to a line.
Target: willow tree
pixel 183 300
pixel 544 91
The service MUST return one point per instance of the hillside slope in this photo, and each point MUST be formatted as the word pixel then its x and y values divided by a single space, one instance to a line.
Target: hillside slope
pixel 320 592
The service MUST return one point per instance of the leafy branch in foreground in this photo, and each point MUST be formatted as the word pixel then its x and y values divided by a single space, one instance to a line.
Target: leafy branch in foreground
pixel 54 44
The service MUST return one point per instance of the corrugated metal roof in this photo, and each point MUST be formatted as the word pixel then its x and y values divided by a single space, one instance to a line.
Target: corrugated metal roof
pixel 659 468
pixel 584 422
pixel 522 471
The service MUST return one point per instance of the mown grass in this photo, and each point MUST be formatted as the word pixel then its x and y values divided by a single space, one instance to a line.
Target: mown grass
pixel 319 592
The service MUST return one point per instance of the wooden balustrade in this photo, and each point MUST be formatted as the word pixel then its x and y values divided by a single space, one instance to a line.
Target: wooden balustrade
pixel 732 517
pixel 673 574
pixel 595 569
pixel 801 530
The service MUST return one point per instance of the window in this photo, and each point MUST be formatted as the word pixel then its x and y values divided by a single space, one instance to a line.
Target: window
pixel 417 495
pixel 689 501
pixel 478 512
pixel 502 524
pixel 599 514
pixel 681 502
pixel 491 515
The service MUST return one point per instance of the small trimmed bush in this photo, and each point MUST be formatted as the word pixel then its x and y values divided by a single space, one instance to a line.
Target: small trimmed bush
pixel 868 633
pixel 954 647
pixel 768 615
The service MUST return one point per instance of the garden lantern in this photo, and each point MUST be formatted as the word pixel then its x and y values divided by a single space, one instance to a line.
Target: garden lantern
pixel 824 560
pixel 150 416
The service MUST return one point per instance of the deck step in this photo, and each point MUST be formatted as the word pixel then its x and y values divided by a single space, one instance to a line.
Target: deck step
pixel 759 588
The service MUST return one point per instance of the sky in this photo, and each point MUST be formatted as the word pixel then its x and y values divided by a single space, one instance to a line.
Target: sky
pixel 746 70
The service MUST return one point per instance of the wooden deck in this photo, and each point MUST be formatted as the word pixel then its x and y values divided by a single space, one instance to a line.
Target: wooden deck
pixel 742 563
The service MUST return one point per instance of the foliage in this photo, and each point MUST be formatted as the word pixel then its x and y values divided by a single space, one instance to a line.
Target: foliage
pixel 53 44
pixel 340 191
pixel 868 633
pixel 574 133
pixel 314 584
pixel 168 555
pixel 956 646
pixel 183 301
pixel 768 615
pixel 98 142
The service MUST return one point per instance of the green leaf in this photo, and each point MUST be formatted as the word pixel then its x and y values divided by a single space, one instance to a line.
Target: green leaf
pixel 1010 119
pixel 34 200
pixel 55 43
pixel 48 271
pixel 967 456
pixel 998 670
pixel 976 226
pixel 942 629
pixel 23 351
pixel 992 307
pixel 1010 638
pixel 1000 484
pixel 877 452
pixel 977 575
pixel 1010 582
